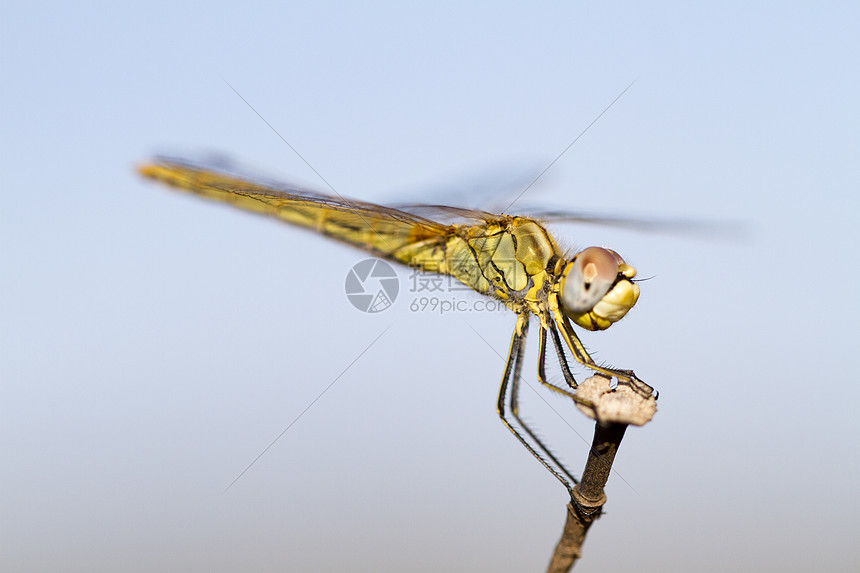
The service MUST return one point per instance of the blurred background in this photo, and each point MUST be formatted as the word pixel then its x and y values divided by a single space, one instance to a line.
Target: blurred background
pixel 153 345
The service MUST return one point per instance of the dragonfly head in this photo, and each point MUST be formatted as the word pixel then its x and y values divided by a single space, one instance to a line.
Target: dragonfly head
pixel 596 289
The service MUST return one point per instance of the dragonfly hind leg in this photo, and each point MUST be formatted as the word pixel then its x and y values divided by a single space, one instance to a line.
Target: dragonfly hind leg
pixel 512 376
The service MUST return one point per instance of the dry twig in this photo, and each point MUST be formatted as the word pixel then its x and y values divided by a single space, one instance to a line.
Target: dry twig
pixel 614 410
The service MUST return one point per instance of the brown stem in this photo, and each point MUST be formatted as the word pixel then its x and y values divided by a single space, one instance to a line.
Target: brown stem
pixel 588 497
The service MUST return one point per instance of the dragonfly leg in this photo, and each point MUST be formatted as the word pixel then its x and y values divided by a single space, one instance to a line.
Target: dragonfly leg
pixel 562 359
pixel 542 372
pixel 581 355
pixel 512 376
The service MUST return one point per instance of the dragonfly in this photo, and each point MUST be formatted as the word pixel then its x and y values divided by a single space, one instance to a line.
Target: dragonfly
pixel 513 259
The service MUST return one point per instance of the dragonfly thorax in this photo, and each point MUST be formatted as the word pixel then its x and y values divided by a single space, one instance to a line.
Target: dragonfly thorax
pixel 596 288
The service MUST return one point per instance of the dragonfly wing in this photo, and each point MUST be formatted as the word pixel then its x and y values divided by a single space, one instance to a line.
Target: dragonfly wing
pixel 490 189
pixel 382 230
pixel 705 228
pixel 447 213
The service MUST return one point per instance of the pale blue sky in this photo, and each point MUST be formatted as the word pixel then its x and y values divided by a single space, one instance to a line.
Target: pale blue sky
pixel 152 344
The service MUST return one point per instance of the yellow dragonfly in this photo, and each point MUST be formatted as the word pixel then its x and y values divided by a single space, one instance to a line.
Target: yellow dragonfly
pixel 510 258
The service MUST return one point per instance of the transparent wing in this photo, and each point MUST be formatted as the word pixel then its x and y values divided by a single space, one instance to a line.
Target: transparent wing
pixel 382 230
pixel 705 228
pixel 488 189
pixel 447 213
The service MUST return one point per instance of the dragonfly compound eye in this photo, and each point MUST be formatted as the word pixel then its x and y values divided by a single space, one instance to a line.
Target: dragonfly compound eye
pixel 596 289
pixel 588 278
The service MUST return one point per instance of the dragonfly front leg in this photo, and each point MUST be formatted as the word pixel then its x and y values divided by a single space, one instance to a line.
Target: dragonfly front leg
pixel 512 376
pixel 545 325
pixel 581 355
